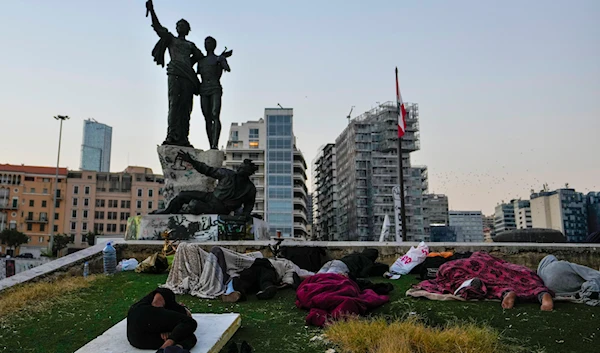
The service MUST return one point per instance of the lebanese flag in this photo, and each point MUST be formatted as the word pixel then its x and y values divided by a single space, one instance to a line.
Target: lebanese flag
pixel 401 110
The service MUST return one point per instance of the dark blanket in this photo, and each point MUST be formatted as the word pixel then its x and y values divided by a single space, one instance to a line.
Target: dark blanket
pixel 306 257
pixel 362 264
pixel 332 296
pixel 496 275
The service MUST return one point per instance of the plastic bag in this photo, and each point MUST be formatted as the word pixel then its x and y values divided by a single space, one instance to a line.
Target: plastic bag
pixel 412 258
pixel 127 265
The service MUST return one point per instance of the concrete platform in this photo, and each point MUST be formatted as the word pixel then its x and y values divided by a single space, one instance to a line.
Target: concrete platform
pixel 213 332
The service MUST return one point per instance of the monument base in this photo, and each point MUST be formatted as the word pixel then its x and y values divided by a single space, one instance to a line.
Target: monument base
pixel 206 227
pixel 180 176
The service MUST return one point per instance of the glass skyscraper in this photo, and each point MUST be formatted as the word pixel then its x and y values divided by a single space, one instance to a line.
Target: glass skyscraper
pixel 279 162
pixel 96 146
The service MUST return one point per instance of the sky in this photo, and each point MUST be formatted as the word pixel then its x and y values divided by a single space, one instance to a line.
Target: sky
pixel 508 91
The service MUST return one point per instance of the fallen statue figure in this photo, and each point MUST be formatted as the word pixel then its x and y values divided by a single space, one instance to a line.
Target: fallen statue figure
pixel 233 190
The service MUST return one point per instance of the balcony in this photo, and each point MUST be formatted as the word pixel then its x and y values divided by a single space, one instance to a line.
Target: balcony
pixel 8 206
pixel 39 219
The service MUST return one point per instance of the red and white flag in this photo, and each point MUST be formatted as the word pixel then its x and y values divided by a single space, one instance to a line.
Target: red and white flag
pixel 401 110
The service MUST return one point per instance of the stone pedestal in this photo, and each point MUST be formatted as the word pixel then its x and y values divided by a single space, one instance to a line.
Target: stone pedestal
pixel 180 176
pixel 199 228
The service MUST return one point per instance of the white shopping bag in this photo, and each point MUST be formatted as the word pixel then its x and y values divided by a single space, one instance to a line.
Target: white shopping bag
pixel 413 257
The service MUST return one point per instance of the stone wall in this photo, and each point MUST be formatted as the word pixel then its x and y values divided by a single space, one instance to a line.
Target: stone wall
pixel 526 254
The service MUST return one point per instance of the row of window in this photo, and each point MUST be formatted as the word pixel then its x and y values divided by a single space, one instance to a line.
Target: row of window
pixel 111 203
pixel 110 228
pixel 86 191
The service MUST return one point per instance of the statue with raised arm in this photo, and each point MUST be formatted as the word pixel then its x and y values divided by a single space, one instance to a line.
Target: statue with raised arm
pixel 235 192
pixel 183 82
pixel 210 69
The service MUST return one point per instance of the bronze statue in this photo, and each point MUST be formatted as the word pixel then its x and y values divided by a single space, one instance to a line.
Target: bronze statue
pixel 183 82
pixel 235 192
pixel 210 69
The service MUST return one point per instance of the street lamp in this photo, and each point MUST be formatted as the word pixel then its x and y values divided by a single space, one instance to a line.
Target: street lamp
pixel 61 118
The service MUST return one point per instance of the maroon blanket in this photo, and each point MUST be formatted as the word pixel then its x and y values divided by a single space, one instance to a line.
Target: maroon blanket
pixel 497 276
pixel 331 296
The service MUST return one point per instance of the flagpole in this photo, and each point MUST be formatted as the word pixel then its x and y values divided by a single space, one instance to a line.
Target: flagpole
pixel 400 166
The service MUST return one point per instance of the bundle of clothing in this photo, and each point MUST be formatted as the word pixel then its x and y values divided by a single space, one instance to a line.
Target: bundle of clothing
pixel 356 265
pixel 330 296
pixel 570 281
pixel 481 276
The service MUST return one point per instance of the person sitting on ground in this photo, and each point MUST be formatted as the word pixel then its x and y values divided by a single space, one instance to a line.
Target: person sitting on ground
pixel 264 278
pixel 567 279
pixel 157 321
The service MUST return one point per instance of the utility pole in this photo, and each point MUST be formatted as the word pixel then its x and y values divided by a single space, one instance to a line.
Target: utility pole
pixel 51 243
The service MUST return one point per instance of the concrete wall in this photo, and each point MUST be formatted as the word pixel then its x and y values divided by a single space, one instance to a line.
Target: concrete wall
pixel 527 254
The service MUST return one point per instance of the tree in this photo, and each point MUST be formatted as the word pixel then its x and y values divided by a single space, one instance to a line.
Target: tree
pixel 12 238
pixel 60 242
pixel 91 237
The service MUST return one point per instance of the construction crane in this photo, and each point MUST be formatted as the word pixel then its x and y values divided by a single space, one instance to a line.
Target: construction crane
pixel 350 115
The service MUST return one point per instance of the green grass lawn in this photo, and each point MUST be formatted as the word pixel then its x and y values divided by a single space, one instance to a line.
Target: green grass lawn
pixel 277 326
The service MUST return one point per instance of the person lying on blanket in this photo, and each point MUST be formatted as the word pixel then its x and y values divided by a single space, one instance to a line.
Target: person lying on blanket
pixel 264 278
pixel 567 279
pixel 356 265
pixel 157 321
pixel 483 276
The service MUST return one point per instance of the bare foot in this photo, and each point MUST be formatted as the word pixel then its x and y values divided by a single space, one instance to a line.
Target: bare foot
pixel 547 302
pixel 509 300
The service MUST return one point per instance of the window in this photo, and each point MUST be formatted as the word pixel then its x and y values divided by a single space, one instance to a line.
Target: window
pixel 45 191
pixel 86 202
pixel 73 225
pixel 98 227
pixel 122 228
pixel 32 190
pixel 55 228
pixel 29 227
pixel 253 144
pixel 150 205
pixel 84 238
pixel 140 192
pixel 236 156
pixel 139 204
pixel 234 136
pixel 42 227
pixel 75 201
pixel 76 189
pixel 44 203
pixel 253 133
pixel 30 216
pixel 253 156
pixel 15 202
pixel 41 239
pixel 150 193
pixel 99 215
pixel 99 203
pixel 113 203
pixel 124 216
pixel 46 180
pixel 72 239
pixel 111 215
pixel 86 190
pixel 85 214
pixel 31 203
pixel 57 203
pixel 74 214
pixel 84 226
pixel 56 216
pixel 111 228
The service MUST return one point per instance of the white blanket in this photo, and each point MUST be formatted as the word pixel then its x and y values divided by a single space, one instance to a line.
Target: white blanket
pixel 213 332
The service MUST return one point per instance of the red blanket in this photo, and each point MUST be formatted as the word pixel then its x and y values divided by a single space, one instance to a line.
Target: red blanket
pixel 497 276
pixel 331 296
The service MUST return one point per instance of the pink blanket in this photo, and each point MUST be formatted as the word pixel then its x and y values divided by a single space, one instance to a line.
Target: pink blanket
pixel 332 296
pixel 496 275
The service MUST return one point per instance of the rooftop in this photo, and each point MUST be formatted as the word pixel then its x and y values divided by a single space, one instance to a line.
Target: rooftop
pixel 30 169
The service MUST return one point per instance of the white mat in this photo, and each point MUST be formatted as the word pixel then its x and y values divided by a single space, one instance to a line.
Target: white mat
pixel 213 332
